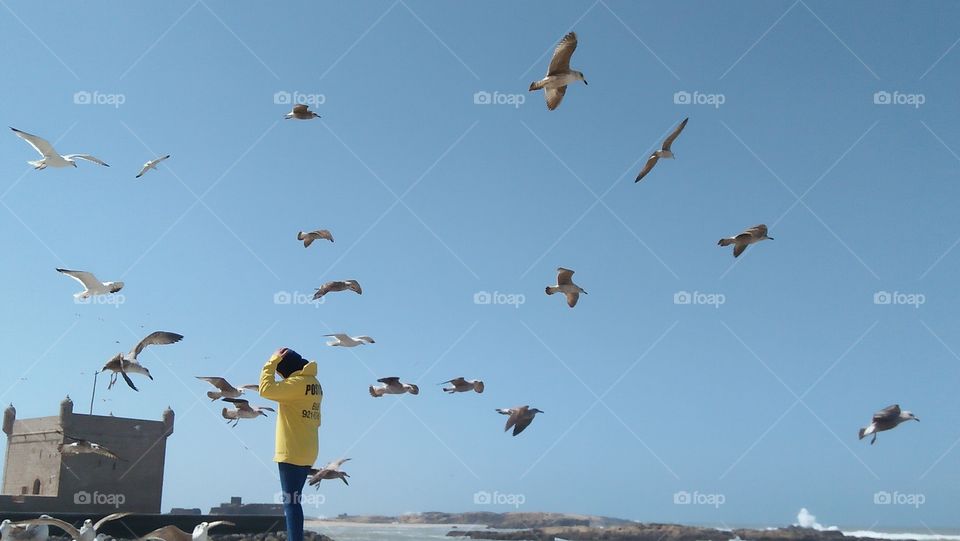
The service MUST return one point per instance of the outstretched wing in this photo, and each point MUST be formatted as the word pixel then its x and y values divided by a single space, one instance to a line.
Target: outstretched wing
pixel 554 96
pixel 38 143
pixel 156 338
pixel 109 518
pixel 564 276
pixel 669 140
pixel 86 279
pixel 887 414
pixel 67 528
pixel 219 383
pixel 335 465
pixel 168 533
pixel 647 167
pixel 392 380
pixel 87 157
pixel 561 55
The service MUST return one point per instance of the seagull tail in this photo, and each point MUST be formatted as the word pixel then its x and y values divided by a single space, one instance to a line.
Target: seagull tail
pixel 551 290
pixel 38 164
pixel 299 235
pixel 374 393
pixel 414 389
pixel 725 242
pixel 536 85
pixel 863 432
pixel 478 387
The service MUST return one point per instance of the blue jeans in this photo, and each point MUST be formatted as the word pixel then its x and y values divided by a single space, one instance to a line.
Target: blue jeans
pixel 292 479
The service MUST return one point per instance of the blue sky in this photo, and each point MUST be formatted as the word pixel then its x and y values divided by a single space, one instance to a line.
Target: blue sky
pixel 433 198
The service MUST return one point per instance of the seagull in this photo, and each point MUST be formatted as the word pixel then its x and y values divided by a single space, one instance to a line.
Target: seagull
pixel 172 533
pixel 664 151
pixel 886 419
pixel 348 341
pixel 16 532
pixel 566 286
pixel 88 532
pixel 559 74
pixel 84 447
pixel 338 285
pixel 152 164
pixel 308 238
pixel 301 112
pixel 51 158
pixel 392 385
pixel 461 385
pixel 519 418
pixel 225 389
pixel 749 236
pixel 243 411
pixel 121 364
pixel 91 286
pixel 330 471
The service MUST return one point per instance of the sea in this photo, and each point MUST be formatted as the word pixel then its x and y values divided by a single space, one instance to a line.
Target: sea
pixel 342 531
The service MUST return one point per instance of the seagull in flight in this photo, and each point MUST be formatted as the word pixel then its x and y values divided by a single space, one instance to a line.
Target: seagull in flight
pixel 664 151
pixel 749 236
pixel 519 418
pixel 242 410
pixel 330 471
pixel 392 385
pixel 122 364
pixel 91 285
pixel 301 112
pixel 347 341
pixel 886 419
pixel 80 446
pixel 461 385
pixel 559 74
pixel 172 533
pixel 566 286
pixel 225 390
pixel 52 158
pixel 88 532
pixel 308 238
pixel 152 164
pixel 338 285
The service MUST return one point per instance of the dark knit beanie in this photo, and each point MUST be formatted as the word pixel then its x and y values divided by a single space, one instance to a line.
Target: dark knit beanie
pixel 290 362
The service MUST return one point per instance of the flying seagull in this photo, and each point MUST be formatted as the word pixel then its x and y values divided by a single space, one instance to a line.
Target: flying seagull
pixel 664 151
pixel 80 446
pixel 566 286
pixel 346 341
pixel 301 112
pixel 519 417
pixel 461 385
pixel 172 533
pixel 750 236
pixel 16 532
pixel 308 238
pixel 559 74
pixel 338 285
pixel 152 164
pixel 886 419
pixel 330 471
pixel 87 532
pixel 392 385
pixel 225 390
pixel 51 158
pixel 91 285
pixel 122 364
pixel 243 410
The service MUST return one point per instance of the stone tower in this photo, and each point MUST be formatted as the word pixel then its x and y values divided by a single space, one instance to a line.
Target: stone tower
pixel 37 478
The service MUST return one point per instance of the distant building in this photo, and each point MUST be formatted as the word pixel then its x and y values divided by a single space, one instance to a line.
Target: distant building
pixel 237 507
pixel 185 511
pixel 36 478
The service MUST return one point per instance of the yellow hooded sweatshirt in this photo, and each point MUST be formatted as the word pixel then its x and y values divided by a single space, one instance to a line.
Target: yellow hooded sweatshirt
pixel 298 421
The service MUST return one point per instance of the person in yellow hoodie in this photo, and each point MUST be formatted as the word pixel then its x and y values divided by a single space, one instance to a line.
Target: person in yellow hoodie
pixel 299 395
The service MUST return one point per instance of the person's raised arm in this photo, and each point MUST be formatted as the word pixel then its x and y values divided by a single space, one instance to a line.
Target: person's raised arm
pixel 270 388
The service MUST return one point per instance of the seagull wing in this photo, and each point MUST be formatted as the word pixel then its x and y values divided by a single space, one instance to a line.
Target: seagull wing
pixel 67 528
pixel 887 414
pixel 651 161
pixel 339 336
pixel 38 143
pixel 109 518
pixel 219 383
pixel 554 96
pixel 355 286
pixel 515 415
pixel 669 140
pixel 87 279
pixel 561 55
pixel 300 109
pixel 564 276
pixel 757 231
pixel 335 465
pixel 390 380
pixel 522 424
pixel 87 157
pixel 456 382
pixel 251 387
pixel 365 338
pixel 239 403
pixel 323 234
pixel 572 298
pixel 157 337
pixel 326 288
pixel 216 523
pixel 738 249
pixel 169 533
